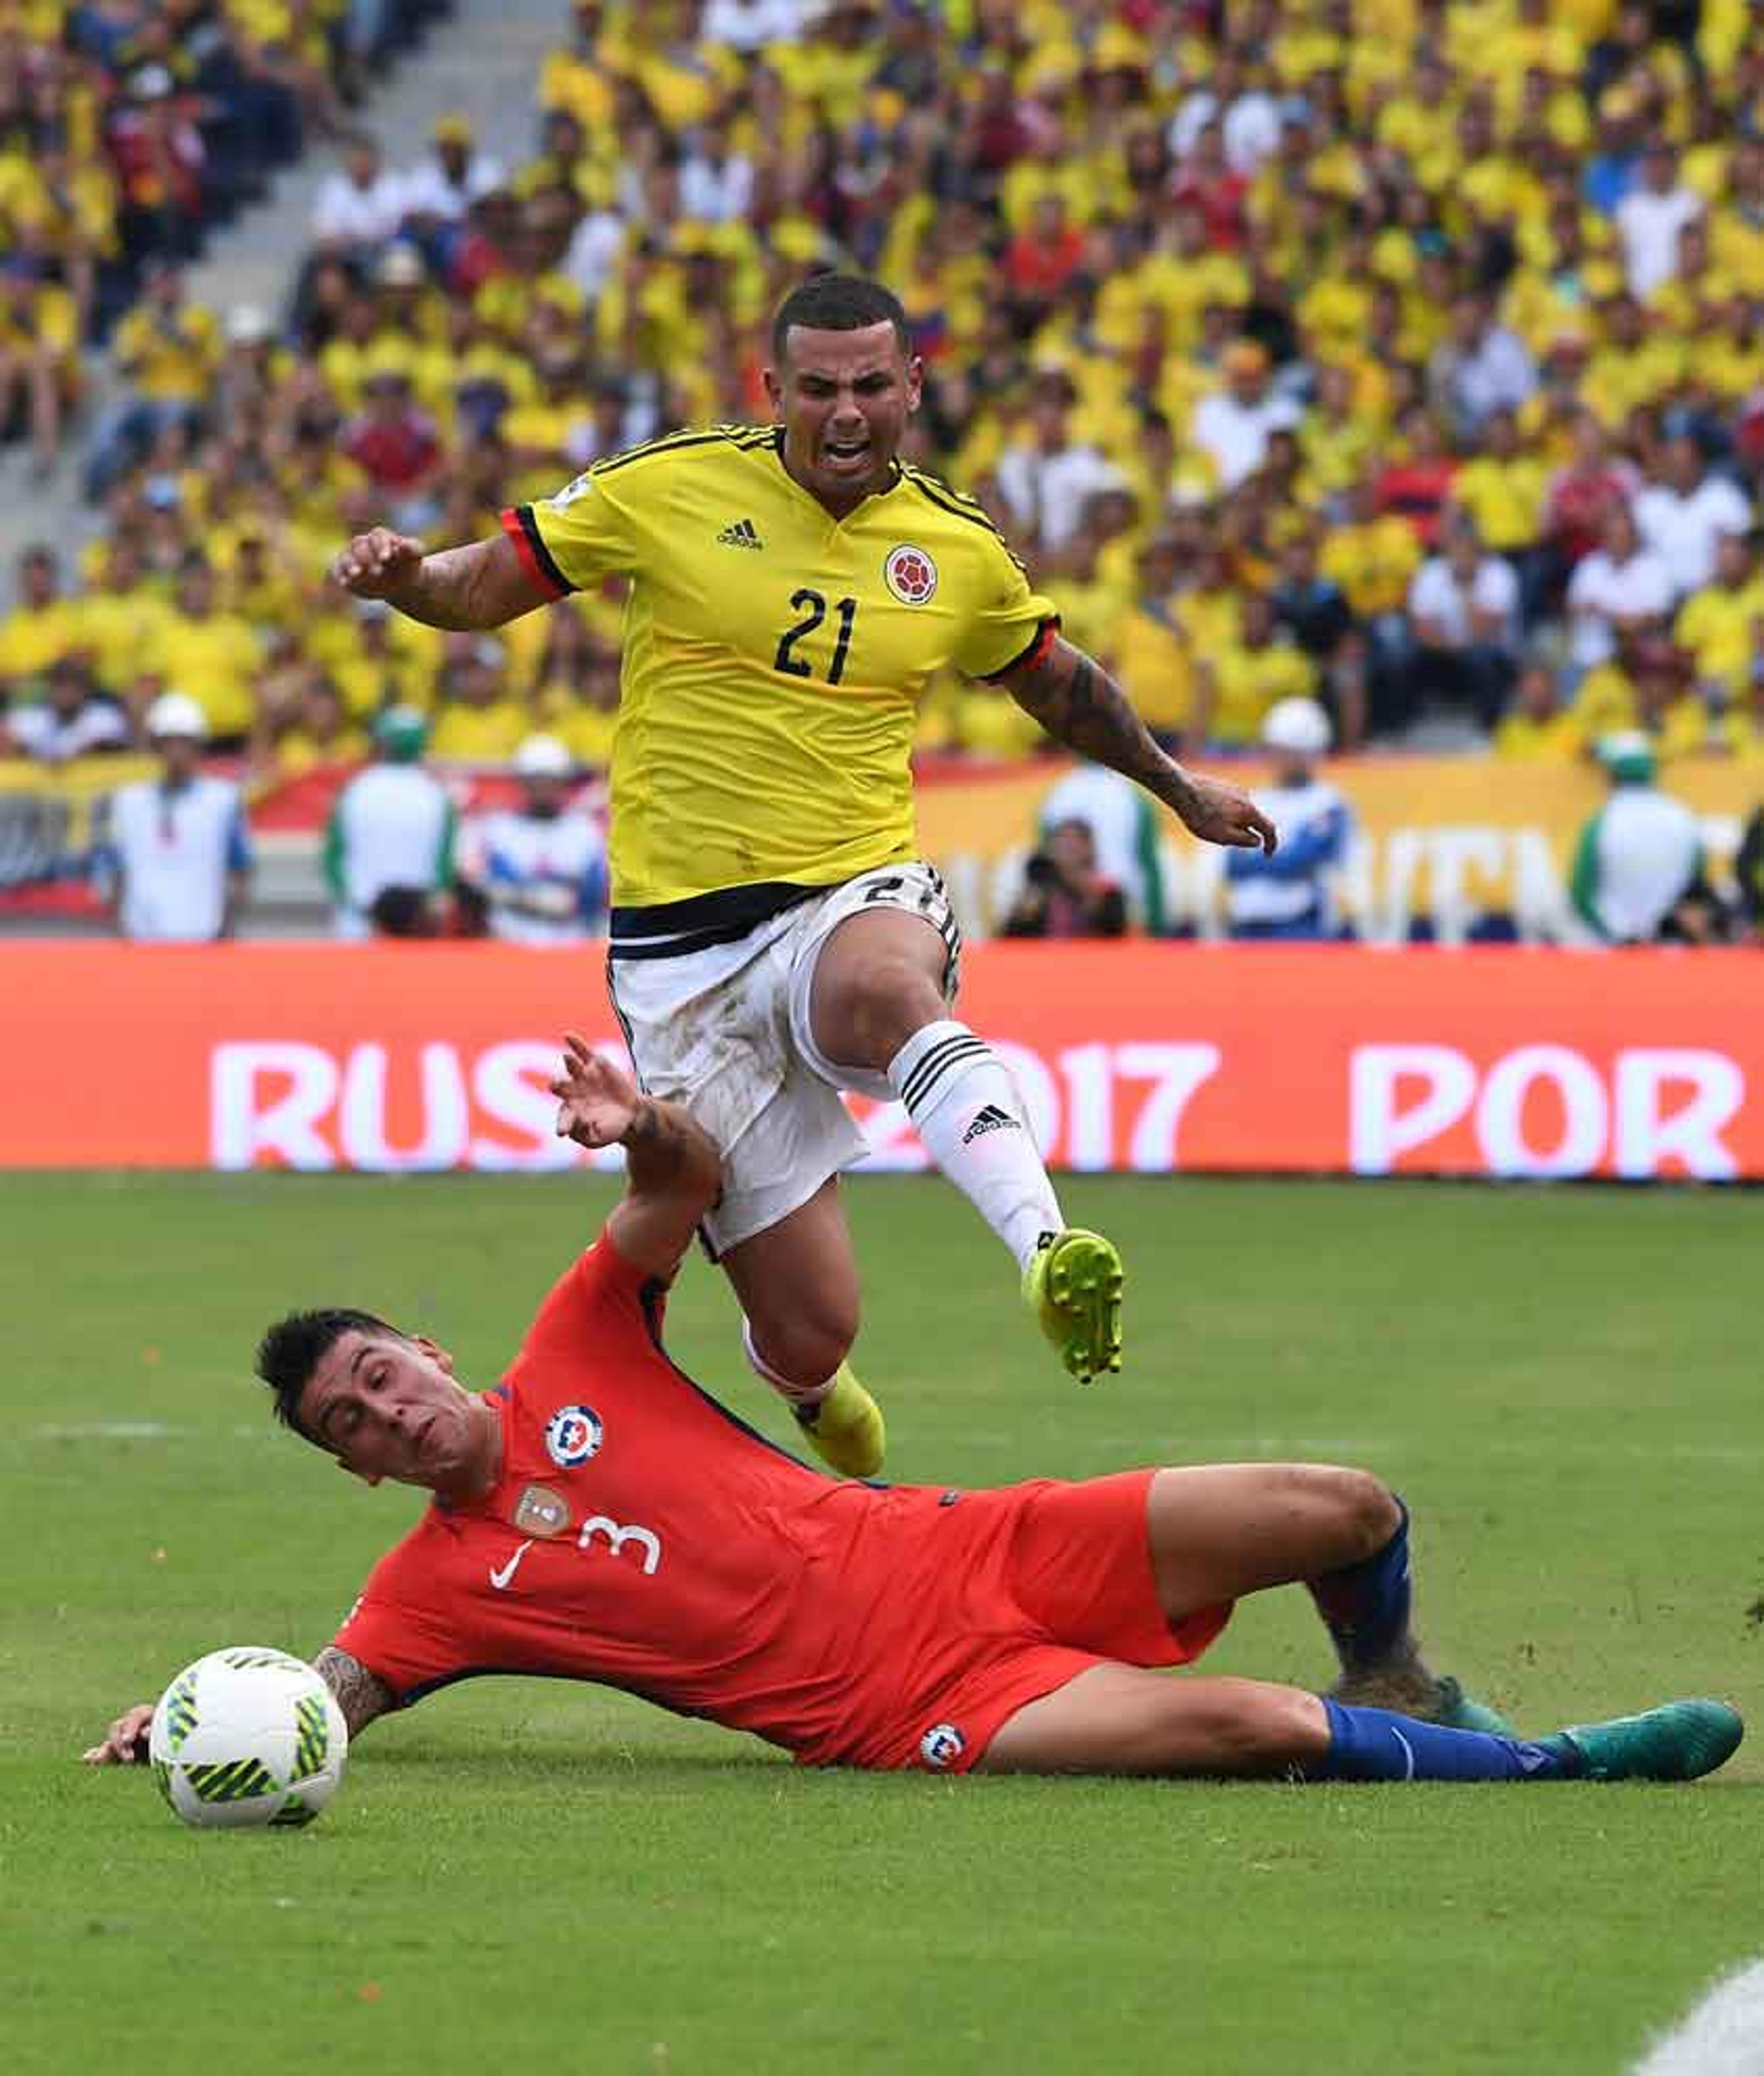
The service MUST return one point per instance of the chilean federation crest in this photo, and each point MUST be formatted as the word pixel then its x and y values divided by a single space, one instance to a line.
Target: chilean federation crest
pixel 941 1746
pixel 910 574
pixel 573 1436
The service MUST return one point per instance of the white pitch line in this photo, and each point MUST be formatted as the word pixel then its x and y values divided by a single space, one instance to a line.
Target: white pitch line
pixel 108 1431
pixel 1722 2034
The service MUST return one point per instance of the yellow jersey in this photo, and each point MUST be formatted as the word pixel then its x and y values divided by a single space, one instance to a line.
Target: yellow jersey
pixel 774 656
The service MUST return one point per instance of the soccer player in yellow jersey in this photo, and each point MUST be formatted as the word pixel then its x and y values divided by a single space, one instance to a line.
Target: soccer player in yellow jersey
pixel 775 936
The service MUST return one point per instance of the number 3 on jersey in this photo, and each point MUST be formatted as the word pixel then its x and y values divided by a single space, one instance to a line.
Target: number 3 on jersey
pixel 813 609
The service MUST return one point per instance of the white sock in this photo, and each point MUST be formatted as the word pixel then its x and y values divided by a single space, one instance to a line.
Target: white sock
pixel 974 1125
pixel 798 1394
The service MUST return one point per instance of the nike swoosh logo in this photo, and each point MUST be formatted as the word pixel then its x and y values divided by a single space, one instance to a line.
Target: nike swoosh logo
pixel 503 1579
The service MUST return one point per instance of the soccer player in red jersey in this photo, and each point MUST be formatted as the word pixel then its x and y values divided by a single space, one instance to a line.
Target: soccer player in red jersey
pixel 597 1516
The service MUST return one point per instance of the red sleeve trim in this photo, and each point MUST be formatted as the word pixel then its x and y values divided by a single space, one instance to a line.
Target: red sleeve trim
pixel 518 524
pixel 1046 635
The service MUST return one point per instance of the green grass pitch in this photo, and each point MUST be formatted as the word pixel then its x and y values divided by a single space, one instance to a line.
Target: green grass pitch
pixel 544 1877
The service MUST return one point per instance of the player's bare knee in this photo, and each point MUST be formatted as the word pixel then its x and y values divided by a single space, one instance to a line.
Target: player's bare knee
pixel 1240 1726
pixel 1364 1509
pixel 807 1349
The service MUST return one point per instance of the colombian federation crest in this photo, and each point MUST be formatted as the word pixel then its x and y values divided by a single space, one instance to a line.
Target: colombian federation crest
pixel 910 574
pixel 941 1746
pixel 573 1436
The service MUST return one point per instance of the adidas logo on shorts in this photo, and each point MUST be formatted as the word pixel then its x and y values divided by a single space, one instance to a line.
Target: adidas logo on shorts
pixel 991 1119
pixel 741 534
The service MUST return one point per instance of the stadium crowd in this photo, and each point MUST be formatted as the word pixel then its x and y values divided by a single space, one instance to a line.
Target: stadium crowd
pixel 1407 356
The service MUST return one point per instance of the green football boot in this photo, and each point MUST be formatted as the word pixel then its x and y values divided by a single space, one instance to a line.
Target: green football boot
pixel 1073 1285
pixel 1681 1741
pixel 1456 1710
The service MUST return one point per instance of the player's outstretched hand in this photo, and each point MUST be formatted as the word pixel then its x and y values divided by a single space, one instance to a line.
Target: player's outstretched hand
pixel 1222 814
pixel 377 564
pixel 125 1743
pixel 596 1101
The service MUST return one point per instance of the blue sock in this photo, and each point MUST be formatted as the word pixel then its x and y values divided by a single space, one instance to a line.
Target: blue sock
pixel 1373 1744
pixel 1365 1605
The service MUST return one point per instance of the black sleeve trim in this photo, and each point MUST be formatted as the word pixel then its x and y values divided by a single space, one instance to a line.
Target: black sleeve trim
pixel 1038 644
pixel 541 554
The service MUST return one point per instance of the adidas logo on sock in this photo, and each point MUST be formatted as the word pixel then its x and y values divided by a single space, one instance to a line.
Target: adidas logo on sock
pixel 991 1119
pixel 741 534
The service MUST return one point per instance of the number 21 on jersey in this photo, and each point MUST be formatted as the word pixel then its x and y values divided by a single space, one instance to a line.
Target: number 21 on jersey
pixel 813 607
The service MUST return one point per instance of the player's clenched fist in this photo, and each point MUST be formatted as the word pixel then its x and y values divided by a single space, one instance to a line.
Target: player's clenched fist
pixel 377 564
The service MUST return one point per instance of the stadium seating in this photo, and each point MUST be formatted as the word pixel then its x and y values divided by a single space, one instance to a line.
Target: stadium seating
pixel 1302 347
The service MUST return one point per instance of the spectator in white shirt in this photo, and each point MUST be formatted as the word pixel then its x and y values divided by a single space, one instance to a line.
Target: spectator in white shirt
pixel 537 870
pixel 1044 476
pixel 716 182
pixel 1232 423
pixel 1638 864
pixel 1479 369
pixel 1463 605
pixel 595 246
pixel 1683 517
pixel 1622 587
pixel 178 858
pixel 388 850
pixel 1247 113
pixel 437 192
pixel 71 720
pixel 359 207
pixel 748 25
pixel 1650 217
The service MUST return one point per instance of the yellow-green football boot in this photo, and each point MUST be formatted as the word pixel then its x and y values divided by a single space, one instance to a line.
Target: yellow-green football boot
pixel 846 1427
pixel 1073 1285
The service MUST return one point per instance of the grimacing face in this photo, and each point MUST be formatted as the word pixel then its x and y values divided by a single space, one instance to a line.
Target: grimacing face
pixel 389 1407
pixel 844 399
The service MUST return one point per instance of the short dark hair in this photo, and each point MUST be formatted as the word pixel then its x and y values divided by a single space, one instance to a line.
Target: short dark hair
pixel 293 1348
pixel 839 302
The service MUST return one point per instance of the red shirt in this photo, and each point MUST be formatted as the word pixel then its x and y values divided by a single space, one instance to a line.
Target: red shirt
pixel 1037 268
pixel 700 1566
pixel 1417 491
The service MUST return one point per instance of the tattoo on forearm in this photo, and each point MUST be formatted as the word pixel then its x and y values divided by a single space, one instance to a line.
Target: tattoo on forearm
pixel 360 1694
pixel 1078 703
pixel 661 1140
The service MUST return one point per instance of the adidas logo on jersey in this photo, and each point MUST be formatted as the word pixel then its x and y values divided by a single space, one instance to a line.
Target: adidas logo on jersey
pixel 991 1119
pixel 742 533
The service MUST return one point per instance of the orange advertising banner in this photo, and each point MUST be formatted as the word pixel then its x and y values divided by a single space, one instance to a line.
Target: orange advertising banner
pixel 1153 1057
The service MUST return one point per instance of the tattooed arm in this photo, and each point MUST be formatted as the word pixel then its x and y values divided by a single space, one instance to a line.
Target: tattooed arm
pixel 360 1695
pixel 1077 702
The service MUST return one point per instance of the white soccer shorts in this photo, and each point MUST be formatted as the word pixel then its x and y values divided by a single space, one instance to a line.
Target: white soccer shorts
pixel 723 1031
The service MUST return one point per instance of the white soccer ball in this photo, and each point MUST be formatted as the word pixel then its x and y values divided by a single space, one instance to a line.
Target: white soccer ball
pixel 248 1736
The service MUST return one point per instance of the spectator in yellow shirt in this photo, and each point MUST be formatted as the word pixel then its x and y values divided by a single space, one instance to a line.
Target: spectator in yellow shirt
pixel 167 349
pixel 40 357
pixel 1373 556
pixel 1646 690
pixel 320 732
pixel 213 656
pixel 478 723
pixel 1721 627
pixel 578 677
pixel 1539 728
pixel 1254 674
pixel 43 625
pixel 1155 657
pixel 1502 489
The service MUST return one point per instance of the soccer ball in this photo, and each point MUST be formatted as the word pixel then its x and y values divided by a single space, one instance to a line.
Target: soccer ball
pixel 249 1736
